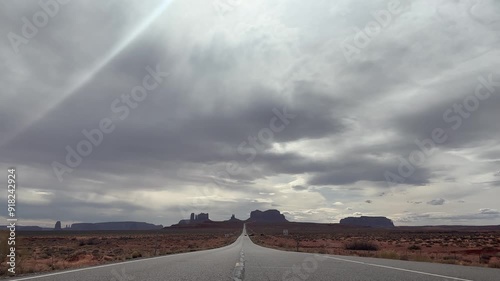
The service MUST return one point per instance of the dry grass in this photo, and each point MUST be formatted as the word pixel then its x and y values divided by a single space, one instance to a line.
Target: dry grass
pixel 461 246
pixel 361 246
pixel 47 251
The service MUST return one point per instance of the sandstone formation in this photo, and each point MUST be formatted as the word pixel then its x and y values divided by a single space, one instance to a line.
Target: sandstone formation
pixel 381 222
pixel 125 225
pixel 195 219
pixel 233 219
pixel 269 216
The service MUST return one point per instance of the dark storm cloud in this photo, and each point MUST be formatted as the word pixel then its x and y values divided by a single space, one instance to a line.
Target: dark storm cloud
pixel 350 170
pixel 484 215
pixel 299 187
pixel 465 118
pixel 228 75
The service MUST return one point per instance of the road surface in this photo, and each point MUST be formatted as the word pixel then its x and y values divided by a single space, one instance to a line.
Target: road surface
pixel 243 260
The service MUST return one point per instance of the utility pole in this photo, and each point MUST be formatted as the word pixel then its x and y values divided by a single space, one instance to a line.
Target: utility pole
pixel 297 240
pixel 156 247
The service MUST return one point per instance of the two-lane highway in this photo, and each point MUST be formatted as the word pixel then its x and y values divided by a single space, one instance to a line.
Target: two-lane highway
pixel 243 260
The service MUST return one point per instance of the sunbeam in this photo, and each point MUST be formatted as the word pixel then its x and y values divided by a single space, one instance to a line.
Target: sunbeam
pixel 88 76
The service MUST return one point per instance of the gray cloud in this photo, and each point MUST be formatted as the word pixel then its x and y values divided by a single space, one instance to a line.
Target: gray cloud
pixel 228 74
pixel 487 211
pixel 299 187
pixel 437 202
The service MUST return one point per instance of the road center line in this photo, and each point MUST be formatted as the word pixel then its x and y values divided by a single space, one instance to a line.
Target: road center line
pixel 400 269
pixel 239 268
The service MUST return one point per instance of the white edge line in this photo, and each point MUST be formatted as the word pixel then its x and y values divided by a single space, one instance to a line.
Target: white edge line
pixel 90 267
pixel 400 269
pixel 108 265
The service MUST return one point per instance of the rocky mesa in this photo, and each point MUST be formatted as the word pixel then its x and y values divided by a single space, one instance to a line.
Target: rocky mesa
pixel 124 225
pixel 273 216
pixel 381 222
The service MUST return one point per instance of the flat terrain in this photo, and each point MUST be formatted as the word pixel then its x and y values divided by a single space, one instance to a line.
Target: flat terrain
pixel 55 250
pixel 61 250
pixel 473 246
pixel 243 260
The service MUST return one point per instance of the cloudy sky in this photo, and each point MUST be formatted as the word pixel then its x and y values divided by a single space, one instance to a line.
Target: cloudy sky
pixel 151 110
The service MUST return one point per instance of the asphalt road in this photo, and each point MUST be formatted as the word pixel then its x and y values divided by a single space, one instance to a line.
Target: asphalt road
pixel 243 260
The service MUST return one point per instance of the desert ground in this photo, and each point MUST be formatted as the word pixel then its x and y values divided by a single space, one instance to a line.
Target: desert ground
pixel 55 250
pixel 471 246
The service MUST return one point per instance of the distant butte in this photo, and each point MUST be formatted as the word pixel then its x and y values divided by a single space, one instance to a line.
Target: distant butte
pixel 269 216
pixel 123 225
pixel 381 222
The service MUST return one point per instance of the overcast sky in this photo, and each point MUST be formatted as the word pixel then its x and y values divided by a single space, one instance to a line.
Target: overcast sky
pixel 151 110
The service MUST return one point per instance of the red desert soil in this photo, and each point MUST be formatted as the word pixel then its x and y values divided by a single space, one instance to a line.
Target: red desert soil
pixel 54 250
pixel 474 246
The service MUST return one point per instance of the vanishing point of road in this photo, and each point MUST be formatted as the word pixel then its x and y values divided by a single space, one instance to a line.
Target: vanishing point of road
pixel 243 260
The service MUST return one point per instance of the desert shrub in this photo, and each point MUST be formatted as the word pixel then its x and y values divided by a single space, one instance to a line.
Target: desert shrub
pixel 108 258
pixel 389 255
pixel 323 251
pixel 449 258
pixel 494 264
pixel 361 246
pixel 80 252
pixel 414 248
pixel 449 261
pixel 422 258
pixel 466 260
pixel 65 250
pixel 136 254
pixel 485 258
pixel 118 251
pixel 76 256
pixel 93 241
pixel 89 241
